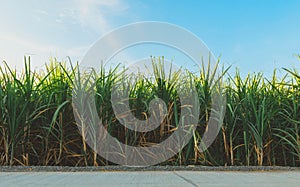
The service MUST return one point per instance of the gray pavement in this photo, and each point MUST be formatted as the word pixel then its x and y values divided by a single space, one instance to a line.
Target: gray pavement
pixel 151 178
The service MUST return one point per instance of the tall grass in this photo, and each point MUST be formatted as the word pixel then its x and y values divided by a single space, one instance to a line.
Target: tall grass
pixel 37 125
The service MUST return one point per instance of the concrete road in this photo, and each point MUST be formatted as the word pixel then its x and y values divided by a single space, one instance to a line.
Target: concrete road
pixel 150 178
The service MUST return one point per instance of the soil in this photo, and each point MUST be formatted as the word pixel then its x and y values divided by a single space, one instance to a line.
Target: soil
pixel 149 168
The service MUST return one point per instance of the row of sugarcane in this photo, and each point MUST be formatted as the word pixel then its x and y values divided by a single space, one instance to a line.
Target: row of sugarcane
pixel 38 126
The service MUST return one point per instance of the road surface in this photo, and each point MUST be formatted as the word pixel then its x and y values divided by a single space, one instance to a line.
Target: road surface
pixel 151 178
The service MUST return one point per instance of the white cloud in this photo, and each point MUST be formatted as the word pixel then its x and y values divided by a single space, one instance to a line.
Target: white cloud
pixel 50 31
pixel 13 49
pixel 92 14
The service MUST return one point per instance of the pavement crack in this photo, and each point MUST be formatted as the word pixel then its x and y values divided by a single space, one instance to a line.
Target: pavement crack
pixel 185 179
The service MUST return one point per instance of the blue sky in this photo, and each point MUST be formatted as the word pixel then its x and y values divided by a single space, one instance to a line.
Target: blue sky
pixel 251 35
